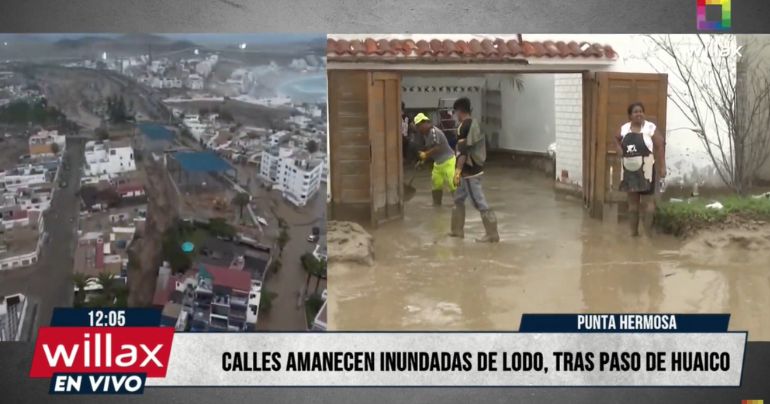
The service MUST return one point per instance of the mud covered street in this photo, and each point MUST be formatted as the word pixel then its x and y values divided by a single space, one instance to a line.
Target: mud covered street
pixel 552 258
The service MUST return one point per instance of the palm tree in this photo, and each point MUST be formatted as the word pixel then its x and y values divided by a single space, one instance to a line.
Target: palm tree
pixel 310 264
pixel 80 280
pixel 240 200
pixel 321 274
pixel 107 280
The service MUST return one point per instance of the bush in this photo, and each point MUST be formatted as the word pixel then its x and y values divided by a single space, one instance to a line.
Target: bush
pixel 681 218
pixel 312 307
pixel 266 300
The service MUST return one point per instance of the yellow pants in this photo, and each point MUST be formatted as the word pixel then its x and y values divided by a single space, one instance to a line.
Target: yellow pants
pixel 443 175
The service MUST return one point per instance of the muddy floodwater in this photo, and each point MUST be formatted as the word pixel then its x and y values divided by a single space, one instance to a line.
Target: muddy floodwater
pixel 552 258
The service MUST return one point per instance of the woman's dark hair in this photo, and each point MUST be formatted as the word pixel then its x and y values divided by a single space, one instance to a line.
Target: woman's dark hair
pixel 403 106
pixel 634 105
pixel 463 104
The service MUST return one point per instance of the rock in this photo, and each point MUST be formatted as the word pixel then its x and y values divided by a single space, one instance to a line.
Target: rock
pixel 349 242
pixel 715 205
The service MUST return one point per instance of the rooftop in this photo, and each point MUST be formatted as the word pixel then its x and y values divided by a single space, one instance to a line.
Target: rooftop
pixel 460 51
pixel 205 161
pixel 156 132
pixel 18 240
pixel 228 278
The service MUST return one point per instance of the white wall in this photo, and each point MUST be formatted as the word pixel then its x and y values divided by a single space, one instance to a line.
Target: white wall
pixel 527 116
pixel 429 100
pixel 568 119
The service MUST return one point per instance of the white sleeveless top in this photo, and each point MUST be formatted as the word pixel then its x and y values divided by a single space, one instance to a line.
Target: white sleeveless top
pixel 648 131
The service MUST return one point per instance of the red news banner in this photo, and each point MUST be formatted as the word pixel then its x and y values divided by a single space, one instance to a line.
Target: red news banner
pixel 102 351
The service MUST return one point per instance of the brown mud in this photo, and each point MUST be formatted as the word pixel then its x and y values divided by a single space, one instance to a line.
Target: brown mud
pixel 552 258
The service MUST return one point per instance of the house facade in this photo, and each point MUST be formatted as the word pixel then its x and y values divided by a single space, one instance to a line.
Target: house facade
pixel 563 93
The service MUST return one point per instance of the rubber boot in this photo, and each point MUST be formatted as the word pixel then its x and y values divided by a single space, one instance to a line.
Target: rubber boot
pixel 633 220
pixel 490 225
pixel 437 195
pixel 458 222
pixel 647 222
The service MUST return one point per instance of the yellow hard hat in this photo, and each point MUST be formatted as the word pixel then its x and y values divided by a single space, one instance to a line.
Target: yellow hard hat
pixel 420 118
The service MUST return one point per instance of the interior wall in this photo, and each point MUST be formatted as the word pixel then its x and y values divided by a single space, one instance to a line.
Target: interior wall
pixel 428 100
pixel 527 115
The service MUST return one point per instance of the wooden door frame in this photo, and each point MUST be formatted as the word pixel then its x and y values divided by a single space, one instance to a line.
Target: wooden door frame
pixel 598 131
pixel 372 77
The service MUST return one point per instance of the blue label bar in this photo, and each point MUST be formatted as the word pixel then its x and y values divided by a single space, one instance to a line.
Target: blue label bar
pixel 625 323
pixel 133 317
pixel 97 383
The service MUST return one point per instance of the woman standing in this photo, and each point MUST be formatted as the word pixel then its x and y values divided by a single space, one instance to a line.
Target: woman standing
pixel 642 151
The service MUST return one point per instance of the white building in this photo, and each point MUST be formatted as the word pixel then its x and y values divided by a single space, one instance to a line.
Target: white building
pixel 195 82
pixel 109 158
pixel 293 172
pixel 22 177
pixel 13 310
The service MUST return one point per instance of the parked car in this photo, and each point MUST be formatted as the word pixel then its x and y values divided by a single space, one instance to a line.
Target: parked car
pixel 314 235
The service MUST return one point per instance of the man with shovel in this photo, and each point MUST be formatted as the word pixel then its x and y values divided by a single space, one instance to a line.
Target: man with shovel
pixel 437 149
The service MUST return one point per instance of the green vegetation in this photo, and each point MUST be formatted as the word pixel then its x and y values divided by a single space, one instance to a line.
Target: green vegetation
pixel 117 110
pixel 241 200
pixel 314 268
pixel 266 300
pixel 55 148
pixel 312 146
pixel 681 218
pixel 34 112
pixel 102 134
pixel 312 307
pixel 195 233
pixel 113 293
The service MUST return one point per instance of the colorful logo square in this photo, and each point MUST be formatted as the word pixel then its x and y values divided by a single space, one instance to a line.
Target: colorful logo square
pixel 714 15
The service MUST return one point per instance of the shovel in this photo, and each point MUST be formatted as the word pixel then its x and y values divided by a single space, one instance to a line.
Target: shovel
pixel 409 190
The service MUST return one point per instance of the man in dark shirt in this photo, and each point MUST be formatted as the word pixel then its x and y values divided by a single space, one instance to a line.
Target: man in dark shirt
pixel 471 156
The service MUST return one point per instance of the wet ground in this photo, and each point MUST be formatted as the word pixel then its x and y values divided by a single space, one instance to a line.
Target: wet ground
pixel 287 312
pixel 552 258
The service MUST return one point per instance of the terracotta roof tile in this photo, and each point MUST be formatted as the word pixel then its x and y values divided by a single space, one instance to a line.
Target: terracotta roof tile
pixel 490 49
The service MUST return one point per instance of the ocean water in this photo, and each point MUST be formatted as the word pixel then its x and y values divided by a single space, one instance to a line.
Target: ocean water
pixel 308 88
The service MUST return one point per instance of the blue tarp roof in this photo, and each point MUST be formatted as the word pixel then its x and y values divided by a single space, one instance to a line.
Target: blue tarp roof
pixel 156 132
pixel 205 161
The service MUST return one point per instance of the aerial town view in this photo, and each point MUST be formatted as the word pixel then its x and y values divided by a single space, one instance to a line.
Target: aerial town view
pixel 181 172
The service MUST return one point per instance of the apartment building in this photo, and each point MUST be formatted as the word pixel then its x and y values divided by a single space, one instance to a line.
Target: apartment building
pixel 109 158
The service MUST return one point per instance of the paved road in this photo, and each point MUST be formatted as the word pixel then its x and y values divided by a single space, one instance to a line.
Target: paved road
pixel 49 281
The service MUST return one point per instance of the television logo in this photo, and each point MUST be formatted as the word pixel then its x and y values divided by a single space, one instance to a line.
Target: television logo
pixel 714 15
pixel 108 360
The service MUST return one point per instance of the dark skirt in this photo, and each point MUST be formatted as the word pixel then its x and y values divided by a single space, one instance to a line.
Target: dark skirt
pixel 635 182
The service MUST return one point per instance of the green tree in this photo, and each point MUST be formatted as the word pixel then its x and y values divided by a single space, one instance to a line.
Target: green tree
pixel 283 239
pixel 313 268
pixel 107 281
pixel 312 307
pixel 240 200
pixel 312 146
pixel 55 148
pixel 102 133
pixel 226 116
pixel 266 300
pixel 321 274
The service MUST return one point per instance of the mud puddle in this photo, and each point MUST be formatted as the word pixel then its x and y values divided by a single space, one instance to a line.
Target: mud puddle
pixel 552 258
